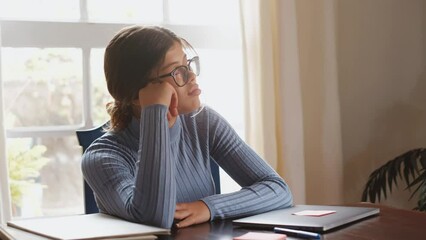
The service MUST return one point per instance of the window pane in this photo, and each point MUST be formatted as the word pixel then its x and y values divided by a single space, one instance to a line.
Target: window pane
pixel 40 10
pixel 45 176
pixel 100 94
pixel 196 12
pixel 125 11
pixel 221 75
pixel 42 87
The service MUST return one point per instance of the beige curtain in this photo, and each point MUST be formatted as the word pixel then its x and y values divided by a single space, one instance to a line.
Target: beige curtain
pixel 292 112
pixel 5 210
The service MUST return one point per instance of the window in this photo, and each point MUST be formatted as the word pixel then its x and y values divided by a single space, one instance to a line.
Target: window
pixel 53 83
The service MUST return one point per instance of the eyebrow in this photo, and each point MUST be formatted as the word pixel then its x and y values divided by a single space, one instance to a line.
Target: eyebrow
pixel 173 63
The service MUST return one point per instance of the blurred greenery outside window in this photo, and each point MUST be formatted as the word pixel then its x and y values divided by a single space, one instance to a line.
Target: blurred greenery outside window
pixel 52 87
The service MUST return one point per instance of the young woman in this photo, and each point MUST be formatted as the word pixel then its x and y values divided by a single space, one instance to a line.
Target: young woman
pixel 153 165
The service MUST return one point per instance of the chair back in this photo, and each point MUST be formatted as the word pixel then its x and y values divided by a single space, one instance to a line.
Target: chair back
pixel 87 136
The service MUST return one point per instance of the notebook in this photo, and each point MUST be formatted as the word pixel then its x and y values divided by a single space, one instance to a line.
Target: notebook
pixel 316 218
pixel 86 226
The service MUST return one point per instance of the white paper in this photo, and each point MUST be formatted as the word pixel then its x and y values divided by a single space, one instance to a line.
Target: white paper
pixel 314 213
pixel 87 226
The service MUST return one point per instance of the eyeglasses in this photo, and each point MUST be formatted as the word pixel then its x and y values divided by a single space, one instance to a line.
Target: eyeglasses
pixel 181 74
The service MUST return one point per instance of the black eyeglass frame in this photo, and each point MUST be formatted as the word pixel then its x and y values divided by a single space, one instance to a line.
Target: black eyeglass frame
pixel 188 69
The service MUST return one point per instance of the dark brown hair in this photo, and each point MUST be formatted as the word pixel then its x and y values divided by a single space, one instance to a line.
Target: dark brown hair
pixel 130 58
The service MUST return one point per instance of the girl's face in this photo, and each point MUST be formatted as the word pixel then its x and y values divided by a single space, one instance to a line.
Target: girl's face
pixel 188 95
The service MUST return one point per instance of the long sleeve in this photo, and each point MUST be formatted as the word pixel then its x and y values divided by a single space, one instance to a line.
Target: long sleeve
pixel 136 185
pixel 262 188
pixel 141 172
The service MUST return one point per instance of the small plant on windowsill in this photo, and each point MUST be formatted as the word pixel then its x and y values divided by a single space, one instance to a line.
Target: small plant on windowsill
pixel 412 164
pixel 24 167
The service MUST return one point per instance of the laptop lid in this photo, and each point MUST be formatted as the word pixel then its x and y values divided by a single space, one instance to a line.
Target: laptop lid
pixel 316 218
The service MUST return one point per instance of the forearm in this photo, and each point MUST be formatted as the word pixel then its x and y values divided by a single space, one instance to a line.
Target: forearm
pixel 135 179
pixel 269 194
pixel 155 186
pixel 262 188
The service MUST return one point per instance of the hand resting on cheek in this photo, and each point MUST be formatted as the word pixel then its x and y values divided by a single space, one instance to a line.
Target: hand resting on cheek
pixel 160 93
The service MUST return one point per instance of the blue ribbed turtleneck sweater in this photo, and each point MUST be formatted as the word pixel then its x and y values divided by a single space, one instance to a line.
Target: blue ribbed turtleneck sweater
pixel 141 172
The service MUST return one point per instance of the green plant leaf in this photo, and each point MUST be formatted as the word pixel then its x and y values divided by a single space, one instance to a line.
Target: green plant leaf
pixel 421 204
pixel 423 158
pixel 392 175
pixel 407 166
pixel 24 167
pixel 412 165
pixel 379 182
pixel 421 178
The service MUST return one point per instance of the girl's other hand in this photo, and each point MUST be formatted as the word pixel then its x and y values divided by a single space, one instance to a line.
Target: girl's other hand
pixel 191 213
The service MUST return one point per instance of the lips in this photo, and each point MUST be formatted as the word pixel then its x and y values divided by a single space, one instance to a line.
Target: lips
pixel 194 91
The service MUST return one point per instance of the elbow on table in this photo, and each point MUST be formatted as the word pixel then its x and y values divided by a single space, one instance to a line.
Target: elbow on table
pixel 161 223
pixel 152 219
pixel 287 196
pixel 288 201
pixel 283 193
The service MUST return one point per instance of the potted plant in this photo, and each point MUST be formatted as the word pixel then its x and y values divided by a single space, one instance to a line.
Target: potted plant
pixel 410 167
pixel 24 167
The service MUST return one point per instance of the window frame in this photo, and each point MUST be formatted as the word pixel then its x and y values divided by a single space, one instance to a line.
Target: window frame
pixel 15 33
pixel 38 34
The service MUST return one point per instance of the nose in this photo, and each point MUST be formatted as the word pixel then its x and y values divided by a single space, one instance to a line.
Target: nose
pixel 191 76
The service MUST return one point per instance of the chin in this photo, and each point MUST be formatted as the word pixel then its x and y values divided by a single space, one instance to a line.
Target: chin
pixel 189 107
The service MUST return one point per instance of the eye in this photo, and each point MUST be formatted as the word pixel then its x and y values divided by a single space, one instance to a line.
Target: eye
pixel 180 71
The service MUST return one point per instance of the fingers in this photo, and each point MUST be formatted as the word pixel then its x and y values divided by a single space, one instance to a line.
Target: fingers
pixel 173 107
pixel 174 102
pixel 181 211
pixel 169 116
pixel 158 93
pixel 191 213
pixel 179 215
pixel 187 222
pixel 181 206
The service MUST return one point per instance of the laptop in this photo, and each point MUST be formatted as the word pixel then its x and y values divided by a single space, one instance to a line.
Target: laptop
pixel 315 218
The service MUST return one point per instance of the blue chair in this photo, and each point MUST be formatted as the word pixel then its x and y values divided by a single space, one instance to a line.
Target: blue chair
pixel 87 136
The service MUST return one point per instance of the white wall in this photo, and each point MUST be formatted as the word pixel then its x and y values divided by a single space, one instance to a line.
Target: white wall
pixel 382 86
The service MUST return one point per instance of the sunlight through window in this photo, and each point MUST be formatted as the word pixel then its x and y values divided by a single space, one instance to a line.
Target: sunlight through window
pixel 53 83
